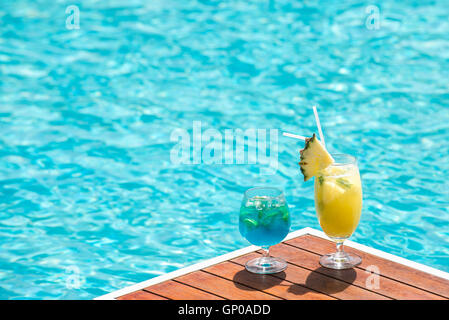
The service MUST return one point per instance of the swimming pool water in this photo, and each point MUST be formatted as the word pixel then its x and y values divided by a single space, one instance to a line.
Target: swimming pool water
pixel 89 199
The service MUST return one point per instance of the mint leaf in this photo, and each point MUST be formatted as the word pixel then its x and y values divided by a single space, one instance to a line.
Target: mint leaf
pixel 344 183
pixel 285 215
pixel 250 223
pixel 321 180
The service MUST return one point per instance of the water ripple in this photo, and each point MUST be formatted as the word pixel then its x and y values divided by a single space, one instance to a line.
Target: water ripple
pixel 86 182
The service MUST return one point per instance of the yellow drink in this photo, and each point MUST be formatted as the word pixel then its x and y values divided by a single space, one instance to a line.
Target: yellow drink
pixel 338 200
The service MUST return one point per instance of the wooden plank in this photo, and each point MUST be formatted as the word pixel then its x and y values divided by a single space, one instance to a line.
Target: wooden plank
pixel 179 291
pixel 222 287
pixel 356 276
pixel 387 268
pixel 141 295
pixel 304 278
pixel 266 283
pixel 319 282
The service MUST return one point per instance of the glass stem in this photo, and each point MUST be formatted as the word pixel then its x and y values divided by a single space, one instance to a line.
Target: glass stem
pixel 266 252
pixel 340 252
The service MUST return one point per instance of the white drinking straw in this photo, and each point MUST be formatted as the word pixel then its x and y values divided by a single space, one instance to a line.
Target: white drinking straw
pixel 317 119
pixel 291 135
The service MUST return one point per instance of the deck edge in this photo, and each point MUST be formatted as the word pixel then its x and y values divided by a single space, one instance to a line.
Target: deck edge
pixel 194 267
pixel 231 255
pixel 386 255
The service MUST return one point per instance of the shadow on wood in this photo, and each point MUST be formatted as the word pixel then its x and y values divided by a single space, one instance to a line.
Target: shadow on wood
pixel 330 284
pixel 250 281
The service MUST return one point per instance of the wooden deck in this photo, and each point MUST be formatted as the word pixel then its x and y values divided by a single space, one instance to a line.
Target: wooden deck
pixel 225 277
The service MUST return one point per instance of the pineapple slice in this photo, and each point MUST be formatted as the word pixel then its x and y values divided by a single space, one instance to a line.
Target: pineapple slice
pixel 314 158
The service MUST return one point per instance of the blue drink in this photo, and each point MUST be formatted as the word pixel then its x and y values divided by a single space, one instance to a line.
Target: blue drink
pixel 264 221
pixel 264 224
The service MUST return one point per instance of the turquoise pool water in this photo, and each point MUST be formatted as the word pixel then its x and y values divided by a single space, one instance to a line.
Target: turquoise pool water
pixel 90 201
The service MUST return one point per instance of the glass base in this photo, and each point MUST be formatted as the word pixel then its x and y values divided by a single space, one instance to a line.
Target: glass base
pixel 266 265
pixel 340 260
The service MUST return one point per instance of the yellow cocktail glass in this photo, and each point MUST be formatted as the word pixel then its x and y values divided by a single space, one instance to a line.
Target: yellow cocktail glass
pixel 338 203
